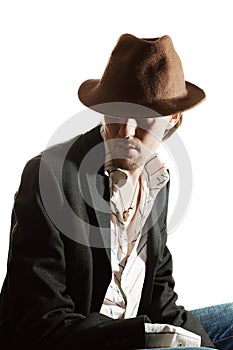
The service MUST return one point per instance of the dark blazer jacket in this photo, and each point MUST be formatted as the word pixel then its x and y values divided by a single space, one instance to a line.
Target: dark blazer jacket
pixel 59 258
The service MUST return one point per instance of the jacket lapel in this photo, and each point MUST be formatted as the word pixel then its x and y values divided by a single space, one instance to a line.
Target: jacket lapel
pixel 87 189
pixel 152 229
pixel 95 187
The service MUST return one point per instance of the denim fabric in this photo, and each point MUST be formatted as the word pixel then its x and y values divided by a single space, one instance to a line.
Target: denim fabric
pixel 218 323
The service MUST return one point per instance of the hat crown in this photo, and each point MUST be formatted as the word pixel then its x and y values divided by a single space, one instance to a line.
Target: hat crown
pixel 142 72
pixel 145 69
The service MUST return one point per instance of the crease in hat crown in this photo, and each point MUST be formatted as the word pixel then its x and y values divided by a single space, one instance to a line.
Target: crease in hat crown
pixel 141 73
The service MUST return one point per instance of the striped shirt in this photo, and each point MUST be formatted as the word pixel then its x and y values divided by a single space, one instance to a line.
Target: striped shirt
pixel 129 248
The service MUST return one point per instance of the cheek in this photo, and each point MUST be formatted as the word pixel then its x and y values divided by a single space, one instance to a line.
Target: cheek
pixel 151 143
pixel 111 130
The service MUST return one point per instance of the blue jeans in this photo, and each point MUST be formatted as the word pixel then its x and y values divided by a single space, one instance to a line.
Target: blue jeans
pixel 218 323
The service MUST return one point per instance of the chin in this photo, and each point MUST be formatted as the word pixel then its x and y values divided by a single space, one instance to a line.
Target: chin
pixel 125 164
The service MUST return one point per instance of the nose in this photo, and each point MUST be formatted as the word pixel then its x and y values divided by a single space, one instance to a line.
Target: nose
pixel 128 128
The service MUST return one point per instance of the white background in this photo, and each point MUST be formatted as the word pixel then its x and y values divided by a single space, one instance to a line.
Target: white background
pixel 49 47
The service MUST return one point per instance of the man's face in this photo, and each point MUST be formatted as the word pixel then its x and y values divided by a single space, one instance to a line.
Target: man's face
pixel 132 141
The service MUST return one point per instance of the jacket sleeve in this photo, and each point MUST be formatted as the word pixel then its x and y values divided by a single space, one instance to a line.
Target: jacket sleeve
pixel 36 310
pixel 163 308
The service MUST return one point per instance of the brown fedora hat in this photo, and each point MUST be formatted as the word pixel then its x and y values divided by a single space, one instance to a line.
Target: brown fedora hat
pixel 141 75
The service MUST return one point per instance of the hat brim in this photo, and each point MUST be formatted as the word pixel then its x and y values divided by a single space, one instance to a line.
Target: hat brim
pixel 93 95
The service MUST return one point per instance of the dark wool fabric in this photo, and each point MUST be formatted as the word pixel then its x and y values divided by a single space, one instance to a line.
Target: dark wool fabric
pixel 55 284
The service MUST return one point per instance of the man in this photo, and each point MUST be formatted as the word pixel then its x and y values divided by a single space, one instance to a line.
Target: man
pixel 88 264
